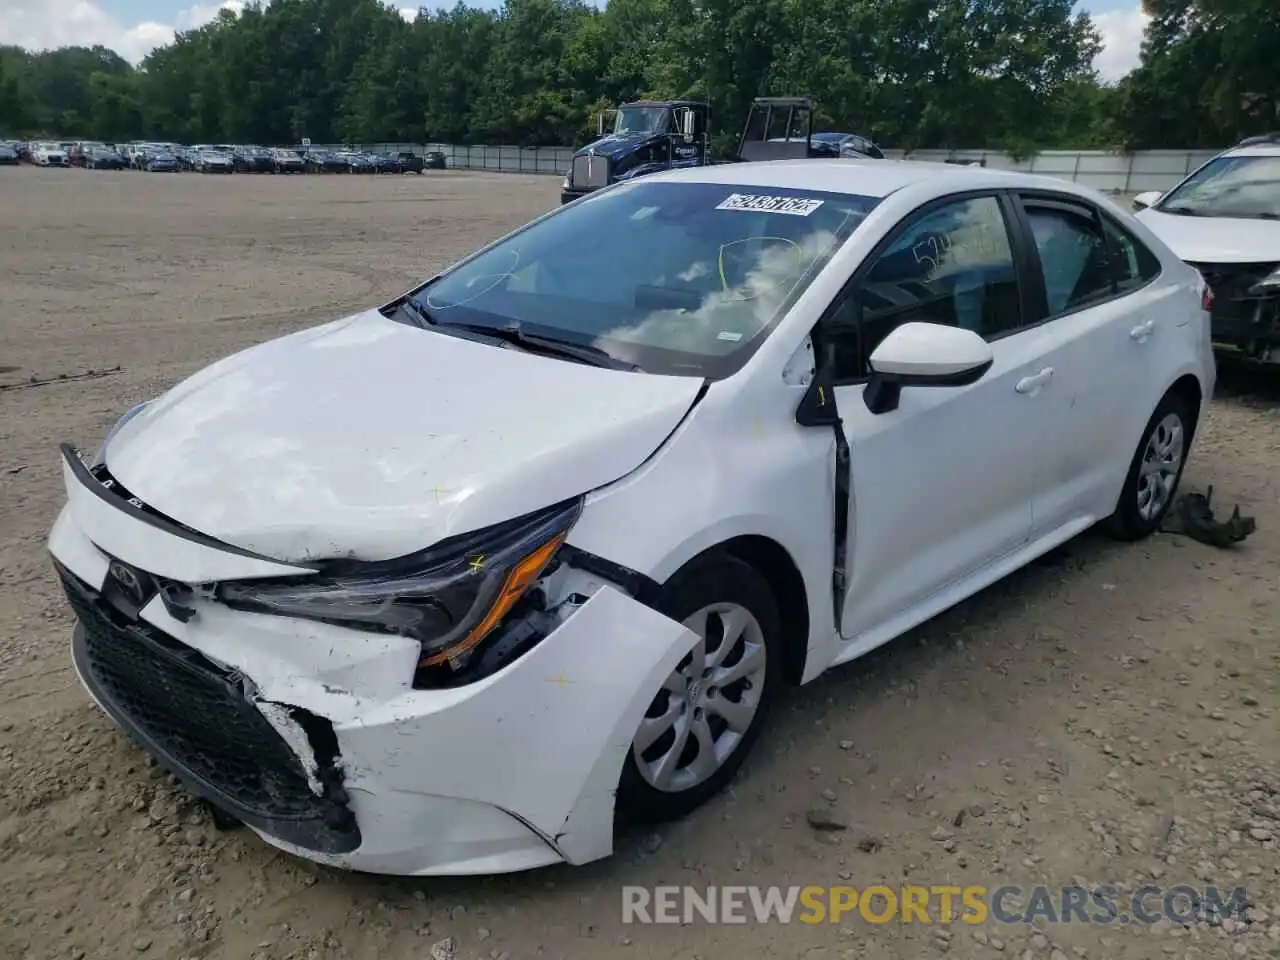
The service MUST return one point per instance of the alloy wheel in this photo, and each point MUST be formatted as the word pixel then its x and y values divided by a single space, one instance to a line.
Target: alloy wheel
pixel 1161 466
pixel 708 703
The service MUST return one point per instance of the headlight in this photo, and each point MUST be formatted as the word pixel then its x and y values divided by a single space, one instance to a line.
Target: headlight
pixel 448 598
pixel 1267 285
pixel 100 457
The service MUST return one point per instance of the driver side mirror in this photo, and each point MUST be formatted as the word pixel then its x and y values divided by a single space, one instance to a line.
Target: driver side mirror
pixel 924 355
pixel 1144 200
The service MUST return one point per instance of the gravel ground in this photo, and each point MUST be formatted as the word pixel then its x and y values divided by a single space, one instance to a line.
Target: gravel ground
pixel 1109 715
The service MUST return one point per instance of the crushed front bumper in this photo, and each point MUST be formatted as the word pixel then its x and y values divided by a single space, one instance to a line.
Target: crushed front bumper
pixel 313 736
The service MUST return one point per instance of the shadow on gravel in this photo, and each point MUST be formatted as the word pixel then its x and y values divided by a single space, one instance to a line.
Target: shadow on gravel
pixel 1249 384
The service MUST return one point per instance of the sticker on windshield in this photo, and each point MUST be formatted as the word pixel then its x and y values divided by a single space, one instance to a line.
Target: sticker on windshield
pixel 793 206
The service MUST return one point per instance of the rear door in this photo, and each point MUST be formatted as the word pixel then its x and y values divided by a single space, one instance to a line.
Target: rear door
pixel 1101 322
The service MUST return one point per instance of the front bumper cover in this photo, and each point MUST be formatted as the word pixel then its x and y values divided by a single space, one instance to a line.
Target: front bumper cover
pixel 517 770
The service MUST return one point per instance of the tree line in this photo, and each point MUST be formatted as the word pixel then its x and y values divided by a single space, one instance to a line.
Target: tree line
pixel 1015 75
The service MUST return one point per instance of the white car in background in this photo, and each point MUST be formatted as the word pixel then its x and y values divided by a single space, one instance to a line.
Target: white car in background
pixel 1224 219
pixel 444 587
pixel 49 155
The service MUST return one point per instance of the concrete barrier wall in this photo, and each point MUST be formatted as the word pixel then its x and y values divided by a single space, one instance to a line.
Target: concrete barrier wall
pixel 1115 172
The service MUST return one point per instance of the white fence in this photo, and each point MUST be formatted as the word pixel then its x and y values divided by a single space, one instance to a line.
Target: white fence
pixel 1115 172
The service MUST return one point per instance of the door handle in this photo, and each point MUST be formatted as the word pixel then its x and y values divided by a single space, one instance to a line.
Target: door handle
pixel 1031 385
pixel 1142 330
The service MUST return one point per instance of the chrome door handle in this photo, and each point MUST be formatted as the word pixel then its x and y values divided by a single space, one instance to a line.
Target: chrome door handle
pixel 1031 385
pixel 1142 330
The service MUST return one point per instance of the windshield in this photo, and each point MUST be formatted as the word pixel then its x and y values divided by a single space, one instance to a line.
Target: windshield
pixel 643 120
pixel 675 278
pixel 1240 187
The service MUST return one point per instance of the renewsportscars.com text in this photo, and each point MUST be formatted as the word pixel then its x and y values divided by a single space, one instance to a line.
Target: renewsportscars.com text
pixel 1104 904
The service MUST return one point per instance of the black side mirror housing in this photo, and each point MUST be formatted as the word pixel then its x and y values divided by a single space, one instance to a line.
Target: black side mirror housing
pixel 884 390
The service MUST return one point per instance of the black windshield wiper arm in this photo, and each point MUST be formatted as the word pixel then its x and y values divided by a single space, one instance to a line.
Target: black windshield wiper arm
pixel 537 343
pixel 418 312
pixel 1181 211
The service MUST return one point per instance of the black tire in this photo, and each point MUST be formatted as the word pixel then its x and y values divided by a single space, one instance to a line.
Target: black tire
pixel 716 578
pixel 1127 522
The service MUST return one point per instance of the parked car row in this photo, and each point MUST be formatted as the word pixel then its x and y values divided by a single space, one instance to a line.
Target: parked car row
pixel 160 157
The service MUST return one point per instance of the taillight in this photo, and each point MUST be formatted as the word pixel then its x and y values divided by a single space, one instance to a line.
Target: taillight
pixel 1206 297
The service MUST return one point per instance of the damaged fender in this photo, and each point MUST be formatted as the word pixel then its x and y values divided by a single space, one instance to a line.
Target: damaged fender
pixel 583 690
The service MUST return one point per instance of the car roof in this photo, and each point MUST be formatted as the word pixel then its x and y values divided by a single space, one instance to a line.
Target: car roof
pixel 1254 150
pixel 864 176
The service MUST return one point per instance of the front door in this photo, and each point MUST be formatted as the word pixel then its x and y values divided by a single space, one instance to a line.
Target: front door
pixel 943 485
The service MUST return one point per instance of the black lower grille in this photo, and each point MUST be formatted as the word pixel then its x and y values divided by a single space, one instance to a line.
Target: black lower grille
pixel 195 719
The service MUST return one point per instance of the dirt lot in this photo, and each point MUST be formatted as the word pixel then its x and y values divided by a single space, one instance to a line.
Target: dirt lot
pixel 1112 715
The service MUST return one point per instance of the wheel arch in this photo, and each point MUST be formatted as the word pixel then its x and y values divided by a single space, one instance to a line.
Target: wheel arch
pixel 774 562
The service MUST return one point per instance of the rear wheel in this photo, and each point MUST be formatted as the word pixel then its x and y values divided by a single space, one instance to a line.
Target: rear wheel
pixel 1154 472
pixel 704 720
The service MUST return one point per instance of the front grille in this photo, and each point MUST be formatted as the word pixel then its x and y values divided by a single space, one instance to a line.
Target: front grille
pixel 590 173
pixel 194 717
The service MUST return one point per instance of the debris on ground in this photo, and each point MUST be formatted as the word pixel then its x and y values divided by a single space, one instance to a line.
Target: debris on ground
pixel 1193 516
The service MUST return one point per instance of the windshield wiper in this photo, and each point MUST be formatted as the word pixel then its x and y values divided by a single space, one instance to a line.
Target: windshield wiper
pixel 1182 211
pixel 418 312
pixel 538 343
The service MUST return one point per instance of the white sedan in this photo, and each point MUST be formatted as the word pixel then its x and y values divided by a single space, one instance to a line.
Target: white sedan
pixel 49 155
pixel 446 586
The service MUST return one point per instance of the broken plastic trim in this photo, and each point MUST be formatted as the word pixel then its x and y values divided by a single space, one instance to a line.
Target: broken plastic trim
pixel 531 619
pixel 637 585
pixel 115 658
pixel 1193 516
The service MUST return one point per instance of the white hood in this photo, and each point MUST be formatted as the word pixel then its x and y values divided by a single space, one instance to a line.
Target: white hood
pixel 370 439
pixel 1216 239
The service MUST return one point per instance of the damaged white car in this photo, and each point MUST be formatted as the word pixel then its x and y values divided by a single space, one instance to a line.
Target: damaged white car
pixel 448 586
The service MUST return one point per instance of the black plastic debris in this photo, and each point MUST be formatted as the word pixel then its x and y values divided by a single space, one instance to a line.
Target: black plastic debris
pixel 1193 516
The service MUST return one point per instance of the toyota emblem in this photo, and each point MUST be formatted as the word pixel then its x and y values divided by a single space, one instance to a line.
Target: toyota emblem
pixel 128 580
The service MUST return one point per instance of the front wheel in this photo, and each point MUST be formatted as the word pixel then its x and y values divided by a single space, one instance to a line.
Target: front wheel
pixel 1154 472
pixel 704 720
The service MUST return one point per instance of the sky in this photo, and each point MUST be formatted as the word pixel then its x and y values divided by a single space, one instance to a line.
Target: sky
pixel 133 27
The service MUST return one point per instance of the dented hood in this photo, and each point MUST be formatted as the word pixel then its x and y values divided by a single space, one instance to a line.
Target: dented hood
pixel 370 439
